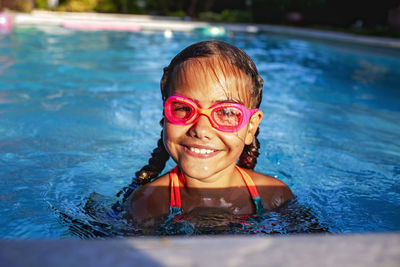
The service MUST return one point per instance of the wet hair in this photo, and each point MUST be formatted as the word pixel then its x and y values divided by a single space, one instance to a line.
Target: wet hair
pixel 227 55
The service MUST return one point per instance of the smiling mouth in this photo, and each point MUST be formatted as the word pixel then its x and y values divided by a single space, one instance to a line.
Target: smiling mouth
pixel 200 152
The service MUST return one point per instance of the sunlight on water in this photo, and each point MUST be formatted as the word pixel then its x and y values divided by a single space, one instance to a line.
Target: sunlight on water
pixel 80 112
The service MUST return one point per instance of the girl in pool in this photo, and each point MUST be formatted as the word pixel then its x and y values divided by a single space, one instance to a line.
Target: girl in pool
pixel 211 92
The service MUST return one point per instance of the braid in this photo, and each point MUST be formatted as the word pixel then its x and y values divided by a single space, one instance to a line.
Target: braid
pixel 248 158
pixel 159 158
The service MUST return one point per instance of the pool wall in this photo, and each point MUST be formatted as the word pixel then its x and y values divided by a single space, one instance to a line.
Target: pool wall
pixel 301 250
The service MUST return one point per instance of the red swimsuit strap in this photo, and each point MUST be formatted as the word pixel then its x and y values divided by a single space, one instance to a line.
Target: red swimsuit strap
pixel 175 194
pixel 176 175
pixel 249 182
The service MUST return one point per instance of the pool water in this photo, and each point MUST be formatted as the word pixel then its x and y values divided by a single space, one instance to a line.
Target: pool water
pixel 80 112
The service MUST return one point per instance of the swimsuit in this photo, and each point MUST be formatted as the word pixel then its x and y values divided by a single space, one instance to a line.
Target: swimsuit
pixel 175 195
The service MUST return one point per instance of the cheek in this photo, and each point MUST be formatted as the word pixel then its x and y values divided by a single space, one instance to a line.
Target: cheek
pixel 168 136
pixel 235 141
pixel 171 135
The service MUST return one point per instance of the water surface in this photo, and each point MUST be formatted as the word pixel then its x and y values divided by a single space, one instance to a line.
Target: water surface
pixel 80 111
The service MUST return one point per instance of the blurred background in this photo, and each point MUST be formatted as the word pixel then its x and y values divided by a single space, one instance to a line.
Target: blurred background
pixel 379 18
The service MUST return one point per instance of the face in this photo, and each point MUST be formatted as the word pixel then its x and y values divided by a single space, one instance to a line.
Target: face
pixel 203 152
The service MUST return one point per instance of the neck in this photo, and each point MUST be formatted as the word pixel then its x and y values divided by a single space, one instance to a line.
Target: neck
pixel 222 180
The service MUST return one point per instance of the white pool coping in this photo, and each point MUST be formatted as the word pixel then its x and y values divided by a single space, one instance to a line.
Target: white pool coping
pixel 357 250
pixel 146 22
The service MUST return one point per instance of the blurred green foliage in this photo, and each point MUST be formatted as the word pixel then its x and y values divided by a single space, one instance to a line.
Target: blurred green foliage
pixel 178 14
pixel 316 13
pixel 78 5
pixel 107 6
pixel 24 5
pixel 227 15
pixel 42 4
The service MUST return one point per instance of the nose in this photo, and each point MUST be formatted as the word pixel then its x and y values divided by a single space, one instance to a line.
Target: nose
pixel 202 128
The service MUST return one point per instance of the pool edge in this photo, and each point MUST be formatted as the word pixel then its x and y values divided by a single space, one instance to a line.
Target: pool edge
pixel 374 249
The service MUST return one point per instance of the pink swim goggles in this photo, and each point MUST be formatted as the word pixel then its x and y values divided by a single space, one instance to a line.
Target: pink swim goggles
pixel 226 117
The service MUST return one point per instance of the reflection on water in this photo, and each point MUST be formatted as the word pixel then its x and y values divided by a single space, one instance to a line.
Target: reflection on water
pixel 5 63
pixel 369 73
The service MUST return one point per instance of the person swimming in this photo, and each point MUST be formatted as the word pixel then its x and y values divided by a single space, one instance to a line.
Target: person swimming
pixel 211 94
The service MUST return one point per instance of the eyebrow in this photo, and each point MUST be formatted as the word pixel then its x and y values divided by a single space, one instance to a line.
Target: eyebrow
pixel 232 100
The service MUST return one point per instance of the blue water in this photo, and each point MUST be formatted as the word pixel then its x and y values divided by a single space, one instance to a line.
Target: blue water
pixel 79 113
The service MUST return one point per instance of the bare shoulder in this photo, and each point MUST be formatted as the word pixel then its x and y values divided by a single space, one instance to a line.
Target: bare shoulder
pixel 261 179
pixel 150 200
pixel 273 192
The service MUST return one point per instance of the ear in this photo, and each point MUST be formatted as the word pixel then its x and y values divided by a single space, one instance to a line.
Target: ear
pixel 253 126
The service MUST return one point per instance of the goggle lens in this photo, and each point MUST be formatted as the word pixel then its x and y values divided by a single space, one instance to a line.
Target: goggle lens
pixel 228 116
pixel 181 111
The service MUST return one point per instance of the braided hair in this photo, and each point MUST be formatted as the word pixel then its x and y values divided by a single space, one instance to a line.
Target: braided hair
pixel 206 49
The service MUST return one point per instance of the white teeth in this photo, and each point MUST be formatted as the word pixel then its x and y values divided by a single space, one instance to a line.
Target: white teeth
pixel 201 151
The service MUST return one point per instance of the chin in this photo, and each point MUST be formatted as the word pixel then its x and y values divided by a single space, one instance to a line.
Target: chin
pixel 201 171
pixel 198 172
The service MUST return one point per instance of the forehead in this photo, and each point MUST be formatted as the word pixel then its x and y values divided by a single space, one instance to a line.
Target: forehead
pixel 211 79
